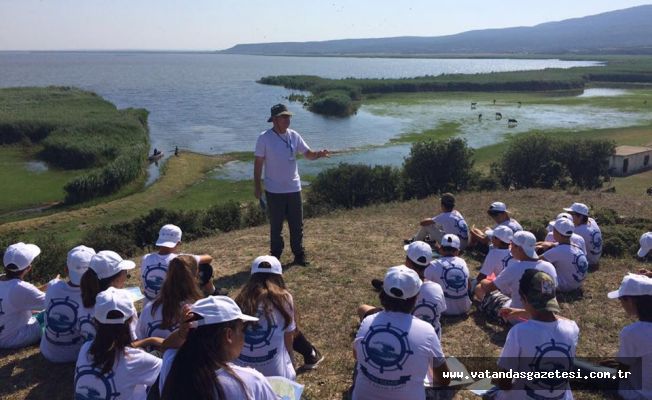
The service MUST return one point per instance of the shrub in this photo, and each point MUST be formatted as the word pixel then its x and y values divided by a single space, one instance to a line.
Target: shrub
pixel 49 263
pixel 606 216
pixel 332 102
pixel 436 167
pixel 253 215
pixel 619 240
pixel 119 238
pixel 349 186
pixel 224 217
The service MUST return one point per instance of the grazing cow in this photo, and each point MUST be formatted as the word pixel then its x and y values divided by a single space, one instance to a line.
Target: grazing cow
pixel 519 104
pixel 499 116
pixel 473 105
pixel 512 123
pixel 480 117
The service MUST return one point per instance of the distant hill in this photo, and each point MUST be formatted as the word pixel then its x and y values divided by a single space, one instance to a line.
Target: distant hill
pixel 627 31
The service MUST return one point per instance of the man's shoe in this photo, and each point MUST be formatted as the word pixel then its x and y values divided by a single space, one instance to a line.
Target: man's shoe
pixel 377 284
pixel 301 260
pixel 313 360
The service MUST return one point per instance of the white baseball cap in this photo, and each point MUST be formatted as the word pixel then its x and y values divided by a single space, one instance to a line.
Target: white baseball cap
pixel 21 255
pixel 113 299
pixel 107 263
pixel 502 233
pixel 564 226
pixel 78 260
pixel 578 208
pixel 401 282
pixel 267 264
pixel 169 236
pixel 646 244
pixel 497 206
pixel 551 224
pixel 419 253
pixel 218 309
pixel 633 285
pixel 526 241
pixel 450 240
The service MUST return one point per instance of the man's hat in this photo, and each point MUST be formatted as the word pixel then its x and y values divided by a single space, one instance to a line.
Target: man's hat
pixel 539 290
pixel 278 110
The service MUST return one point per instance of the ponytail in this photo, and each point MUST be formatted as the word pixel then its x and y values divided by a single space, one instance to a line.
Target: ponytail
pixel 91 285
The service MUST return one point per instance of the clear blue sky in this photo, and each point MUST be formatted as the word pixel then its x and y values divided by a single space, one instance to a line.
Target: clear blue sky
pixel 219 24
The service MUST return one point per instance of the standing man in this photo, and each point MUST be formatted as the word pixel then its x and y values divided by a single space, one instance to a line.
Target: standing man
pixel 276 150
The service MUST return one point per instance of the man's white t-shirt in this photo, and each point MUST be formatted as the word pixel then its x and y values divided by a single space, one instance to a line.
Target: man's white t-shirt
pixel 61 338
pixel 511 224
pixel 255 384
pixel 508 280
pixel 634 343
pixel 452 223
pixel 280 154
pixel 431 303
pixel 575 239
pixel 453 276
pixel 150 325
pixel 496 261
pixel 537 346
pixel 394 351
pixel 592 236
pixel 17 326
pixel 133 371
pixel 264 348
pixel 571 265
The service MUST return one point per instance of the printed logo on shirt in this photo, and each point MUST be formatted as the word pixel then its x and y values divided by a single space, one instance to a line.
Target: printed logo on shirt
pixel 2 327
pixel 258 336
pixel 427 311
pixel 154 326
pixel 87 327
pixel 596 242
pixel 462 228
pixel 61 317
pixel 581 267
pixel 506 260
pixel 551 356
pixel 455 281
pixel 386 348
pixel 153 278
pixel 91 384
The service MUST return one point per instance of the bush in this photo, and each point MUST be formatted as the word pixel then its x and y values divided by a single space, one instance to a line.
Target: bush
pixel 619 240
pixel 253 215
pixel 49 263
pixel 437 167
pixel 223 217
pixel 333 102
pixel 606 216
pixel 349 186
pixel 119 238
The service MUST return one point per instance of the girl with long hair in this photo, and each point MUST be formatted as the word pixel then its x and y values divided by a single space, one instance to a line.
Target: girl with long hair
pixel 162 316
pixel 106 269
pixel 202 367
pixel 110 366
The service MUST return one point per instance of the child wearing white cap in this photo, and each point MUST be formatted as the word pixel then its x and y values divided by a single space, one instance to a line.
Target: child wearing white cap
pixel 62 338
pixel 448 220
pixel 393 348
pixel 203 366
pixel 499 256
pixel 635 295
pixel 499 213
pixel 588 229
pixel 105 269
pixel 18 298
pixel 549 241
pixel 646 245
pixel 162 316
pixel 269 343
pixel 108 367
pixel 452 274
pixel 569 260
pixel 154 266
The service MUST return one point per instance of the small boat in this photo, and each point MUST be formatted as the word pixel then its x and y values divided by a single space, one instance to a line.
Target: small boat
pixel 155 157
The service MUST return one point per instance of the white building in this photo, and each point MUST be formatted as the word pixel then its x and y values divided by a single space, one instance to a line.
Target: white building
pixel 628 160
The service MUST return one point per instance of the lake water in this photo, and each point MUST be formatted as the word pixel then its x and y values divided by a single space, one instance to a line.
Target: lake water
pixel 211 103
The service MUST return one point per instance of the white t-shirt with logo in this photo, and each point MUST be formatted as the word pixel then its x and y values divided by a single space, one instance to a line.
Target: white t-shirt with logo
pixel 264 348
pixel 133 371
pixel 280 154
pixel 496 261
pixel 592 236
pixel 511 224
pixel 61 338
pixel 634 343
pixel 431 303
pixel 255 384
pixel 508 280
pixel 17 326
pixel 539 346
pixel 452 222
pixel 87 326
pixel 394 351
pixel 453 276
pixel 575 239
pixel 153 270
pixel 571 265
pixel 150 325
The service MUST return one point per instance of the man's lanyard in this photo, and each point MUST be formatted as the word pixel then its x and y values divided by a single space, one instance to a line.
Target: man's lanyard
pixel 288 142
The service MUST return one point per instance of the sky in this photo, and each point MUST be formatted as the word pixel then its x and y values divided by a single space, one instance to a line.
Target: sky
pixel 220 24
